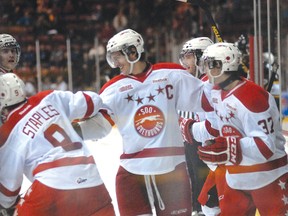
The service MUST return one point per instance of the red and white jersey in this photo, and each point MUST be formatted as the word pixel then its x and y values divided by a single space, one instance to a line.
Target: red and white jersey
pixel 39 141
pixel 144 108
pixel 201 116
pixel 206 127
pixel 250 112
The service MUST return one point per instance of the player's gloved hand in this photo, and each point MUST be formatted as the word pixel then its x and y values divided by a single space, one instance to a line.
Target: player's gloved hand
pixel 9 211
pixel 221 150
pixel 77 128
pixel 185 127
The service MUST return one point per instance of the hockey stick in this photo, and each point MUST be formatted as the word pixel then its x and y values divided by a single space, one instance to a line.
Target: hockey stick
pixel 273 76
pixel 202 4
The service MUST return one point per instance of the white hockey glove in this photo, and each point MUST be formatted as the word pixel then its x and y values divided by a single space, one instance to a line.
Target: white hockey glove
pixel 221 150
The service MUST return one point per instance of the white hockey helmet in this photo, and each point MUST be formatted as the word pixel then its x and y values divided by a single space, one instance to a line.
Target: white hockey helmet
pixel 195 46
pixel 12 90
pixel 222 55
pixel 9 42
pixel 123 41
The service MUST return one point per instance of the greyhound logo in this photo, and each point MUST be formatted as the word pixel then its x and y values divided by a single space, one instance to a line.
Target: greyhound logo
pixel 149 121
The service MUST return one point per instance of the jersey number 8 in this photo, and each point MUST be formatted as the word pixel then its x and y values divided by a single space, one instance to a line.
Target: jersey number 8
pixel 55 131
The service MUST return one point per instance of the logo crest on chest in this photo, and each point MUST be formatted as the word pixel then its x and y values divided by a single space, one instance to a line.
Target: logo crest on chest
pixel 149 121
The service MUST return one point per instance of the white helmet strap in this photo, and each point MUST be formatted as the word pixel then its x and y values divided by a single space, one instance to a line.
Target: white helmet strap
pixel 132 62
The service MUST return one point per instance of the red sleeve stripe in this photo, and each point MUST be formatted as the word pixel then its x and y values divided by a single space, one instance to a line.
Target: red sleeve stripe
pixel 212 131
pixel 90 105
pixel 7 192
pixel 266 152
pixel 107 117
pixel 205 104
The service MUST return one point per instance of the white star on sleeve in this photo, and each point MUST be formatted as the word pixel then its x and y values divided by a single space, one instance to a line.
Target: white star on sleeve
pixel 285 199
pixel 282 185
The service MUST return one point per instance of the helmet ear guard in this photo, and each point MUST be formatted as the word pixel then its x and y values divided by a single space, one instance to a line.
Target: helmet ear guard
pixel 128 50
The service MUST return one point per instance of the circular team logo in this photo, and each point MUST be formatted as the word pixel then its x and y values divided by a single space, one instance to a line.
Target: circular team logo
pixel 149 121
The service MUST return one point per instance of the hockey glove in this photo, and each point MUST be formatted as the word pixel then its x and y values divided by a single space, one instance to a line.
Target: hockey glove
pixel 185 127
pixel 221 150
pixel 9 211
pixel 77 128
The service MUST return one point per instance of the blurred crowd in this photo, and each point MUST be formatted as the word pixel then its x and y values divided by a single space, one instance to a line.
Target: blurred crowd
pixel 88 24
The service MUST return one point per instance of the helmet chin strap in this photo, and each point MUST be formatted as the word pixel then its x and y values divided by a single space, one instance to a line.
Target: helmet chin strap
pixel 131 62
pixel 131 68
pixel 228 81
pixel 212 81
pixel 234 76
pixel 6 69
pixel 197 68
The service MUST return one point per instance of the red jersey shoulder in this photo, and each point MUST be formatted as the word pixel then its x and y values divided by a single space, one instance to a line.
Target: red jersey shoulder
pixel 167 65
pixel 32 101
pixel 111 81
pixel 253 97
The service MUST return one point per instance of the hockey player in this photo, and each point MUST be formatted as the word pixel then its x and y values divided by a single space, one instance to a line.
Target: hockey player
pixel 143 102
pixel 9 53
pixel 189 58
pixel 38 140
pixel 250 145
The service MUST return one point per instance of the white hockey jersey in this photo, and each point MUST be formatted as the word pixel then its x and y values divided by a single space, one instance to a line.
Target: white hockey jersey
pixel 144 108
pixel 250 112
pixel 39 141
